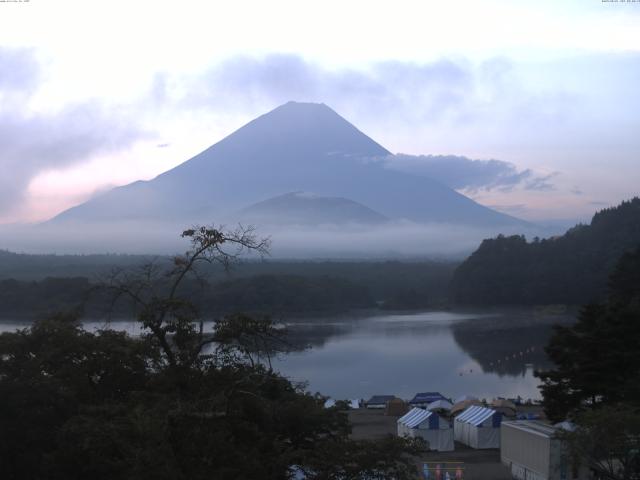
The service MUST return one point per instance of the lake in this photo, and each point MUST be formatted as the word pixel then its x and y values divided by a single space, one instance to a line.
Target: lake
pixel 485 354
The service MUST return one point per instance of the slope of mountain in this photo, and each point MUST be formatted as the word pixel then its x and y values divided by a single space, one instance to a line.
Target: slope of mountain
pixel 570 269
pixel 297 146
pixel 302 208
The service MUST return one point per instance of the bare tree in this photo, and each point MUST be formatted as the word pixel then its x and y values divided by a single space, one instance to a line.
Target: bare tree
pixel 170 319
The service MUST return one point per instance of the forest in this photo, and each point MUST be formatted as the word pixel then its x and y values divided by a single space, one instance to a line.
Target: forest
pixel 569 269
pixel 56 283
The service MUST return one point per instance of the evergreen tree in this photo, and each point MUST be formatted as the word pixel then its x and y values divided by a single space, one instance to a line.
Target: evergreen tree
pixel 597 360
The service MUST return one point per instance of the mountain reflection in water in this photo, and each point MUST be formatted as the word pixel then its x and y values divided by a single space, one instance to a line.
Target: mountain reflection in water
pixel 488 354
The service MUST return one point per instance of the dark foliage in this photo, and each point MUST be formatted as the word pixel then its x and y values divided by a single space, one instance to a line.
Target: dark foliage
pixel 288 293
pixel 571 269
pixel 176 403
pixel 597 361
pixel 607 441
pixel 274 288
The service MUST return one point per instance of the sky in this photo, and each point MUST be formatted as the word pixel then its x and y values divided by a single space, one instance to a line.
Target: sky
pixel 529 107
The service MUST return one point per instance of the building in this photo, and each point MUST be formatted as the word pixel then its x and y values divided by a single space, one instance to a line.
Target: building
pixel 532 451
pixel 478 427
pixel 425 398
pixel 429 426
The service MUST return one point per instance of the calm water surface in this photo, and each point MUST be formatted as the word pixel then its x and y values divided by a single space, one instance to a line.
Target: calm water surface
pixel 484 354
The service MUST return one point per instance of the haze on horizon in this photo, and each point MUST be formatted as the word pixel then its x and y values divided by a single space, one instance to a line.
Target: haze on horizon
pixel 88 102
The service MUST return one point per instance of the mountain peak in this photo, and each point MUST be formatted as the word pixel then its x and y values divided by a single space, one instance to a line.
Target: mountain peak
pixel 312 126
pixel 296 147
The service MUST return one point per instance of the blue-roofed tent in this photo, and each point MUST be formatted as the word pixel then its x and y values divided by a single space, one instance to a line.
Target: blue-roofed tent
pixel 478 427
pixel 429 426
pixel 425 398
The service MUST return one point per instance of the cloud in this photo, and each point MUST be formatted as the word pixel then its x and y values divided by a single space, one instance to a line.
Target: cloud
pixel 542 184
pixel 20 70
pixel 462 173
pixel 427 90
pixel 31 142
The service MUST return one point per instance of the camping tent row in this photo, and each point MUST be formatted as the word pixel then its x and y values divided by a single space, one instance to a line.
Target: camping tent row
pixel 478 427
pixel 429 426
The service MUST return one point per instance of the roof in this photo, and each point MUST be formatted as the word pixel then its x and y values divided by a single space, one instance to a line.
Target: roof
pixel 475 415
pixel 440 404
pixel 415 417
pixel 380 399
pixel 463 398
pixel 463 405
pixel 427 397
pixel 503 403
pixel 533 426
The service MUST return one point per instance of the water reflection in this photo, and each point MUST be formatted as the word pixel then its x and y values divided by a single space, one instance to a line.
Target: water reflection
pixel 455 353
pixel 484 354
pixel 510 343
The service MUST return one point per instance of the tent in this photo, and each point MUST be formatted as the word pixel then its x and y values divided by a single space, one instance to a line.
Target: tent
pixel 566 425
pixel 459 407
pixel 478 427
pixel 329 403
pixel 354 404
pixel 440 405
pixel 379 401
pixel 425 398
pixel 506 407
pixel 396 407
pixel 428 425
pixel 463 398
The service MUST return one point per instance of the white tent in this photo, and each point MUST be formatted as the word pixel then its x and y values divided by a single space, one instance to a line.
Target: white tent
pixel 464 398
pixel 354 404
pixel 429 426
pixel 440 405
pixel 478 427
pixel 329 403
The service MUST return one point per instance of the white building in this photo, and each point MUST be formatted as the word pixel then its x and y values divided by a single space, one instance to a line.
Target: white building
pixel 532 451
pixel 428 425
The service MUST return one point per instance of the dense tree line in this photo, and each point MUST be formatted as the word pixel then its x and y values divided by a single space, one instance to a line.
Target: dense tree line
pixel 31 299
pixel 177 402
pixel 265 294
pixel 396 285
pixel 596 377
pixel 570 269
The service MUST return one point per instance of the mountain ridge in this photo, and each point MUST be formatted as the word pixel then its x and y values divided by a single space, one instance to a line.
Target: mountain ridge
pixel 305 208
